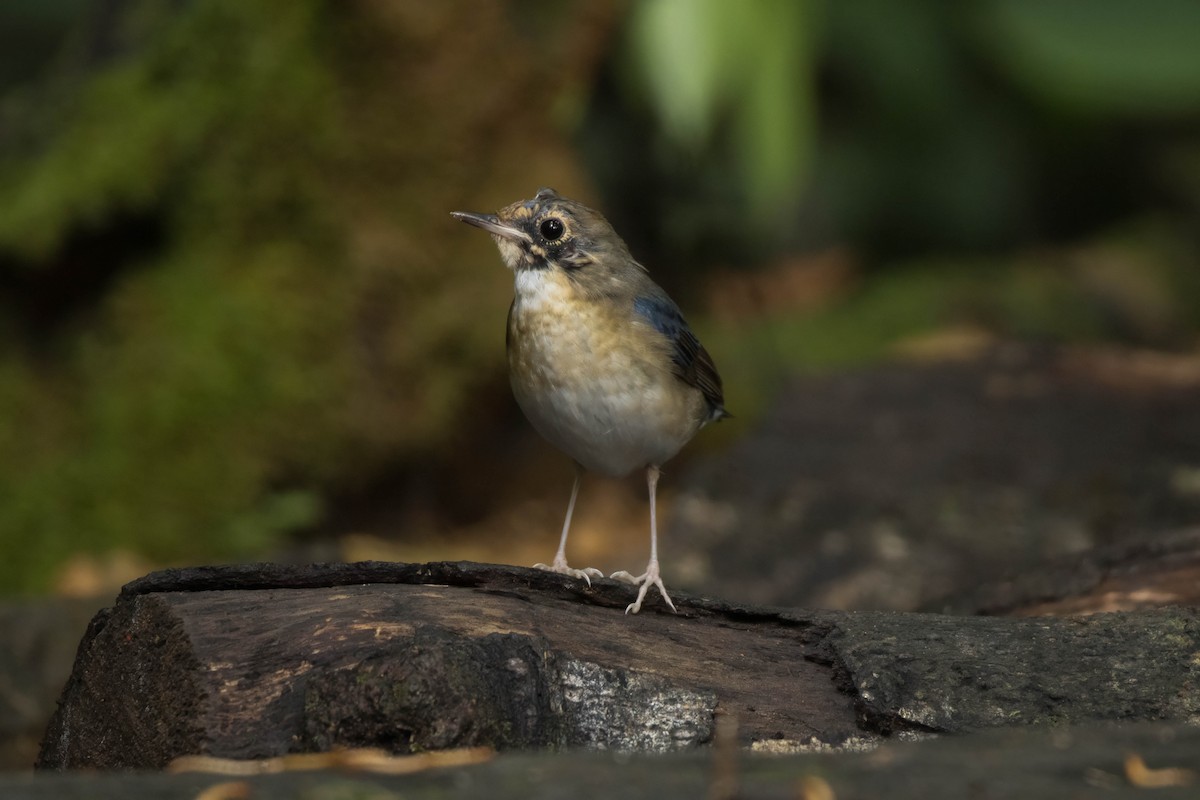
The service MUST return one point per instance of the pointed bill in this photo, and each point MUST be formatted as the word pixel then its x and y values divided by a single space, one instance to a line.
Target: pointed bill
pixel 492 224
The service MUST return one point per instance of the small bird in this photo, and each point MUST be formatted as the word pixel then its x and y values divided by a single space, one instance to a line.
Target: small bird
pixel 600 358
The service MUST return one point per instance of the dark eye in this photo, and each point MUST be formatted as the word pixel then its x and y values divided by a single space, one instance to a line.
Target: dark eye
pixel 551 229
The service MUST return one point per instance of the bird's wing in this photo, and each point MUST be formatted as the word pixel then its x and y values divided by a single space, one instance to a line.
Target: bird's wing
pixel 692 363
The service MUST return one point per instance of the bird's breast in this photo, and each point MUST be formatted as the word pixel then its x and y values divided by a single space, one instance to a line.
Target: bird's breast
pixel 593 379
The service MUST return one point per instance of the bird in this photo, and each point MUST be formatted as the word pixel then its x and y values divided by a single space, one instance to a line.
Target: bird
pixel 601 360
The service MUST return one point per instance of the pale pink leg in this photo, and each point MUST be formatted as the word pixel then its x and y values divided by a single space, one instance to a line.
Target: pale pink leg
pixel 650 577
pixel 560 558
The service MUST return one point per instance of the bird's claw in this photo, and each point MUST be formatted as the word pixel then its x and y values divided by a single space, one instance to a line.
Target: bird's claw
pixel 587 573
pixel 644 581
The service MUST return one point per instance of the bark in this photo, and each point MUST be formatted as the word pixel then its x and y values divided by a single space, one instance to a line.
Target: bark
pixel 258 661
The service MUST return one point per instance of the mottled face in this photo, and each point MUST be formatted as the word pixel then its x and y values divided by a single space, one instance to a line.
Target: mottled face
pixel 552 232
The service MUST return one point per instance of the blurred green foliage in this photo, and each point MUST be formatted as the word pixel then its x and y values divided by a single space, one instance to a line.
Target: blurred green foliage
pixel 154 423
pixel 1099 58
pixel 229 289
pixel 31 33
pixel 746 128
pixel 705 62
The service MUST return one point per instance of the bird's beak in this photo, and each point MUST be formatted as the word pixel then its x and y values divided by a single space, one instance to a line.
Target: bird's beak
pixel 492 224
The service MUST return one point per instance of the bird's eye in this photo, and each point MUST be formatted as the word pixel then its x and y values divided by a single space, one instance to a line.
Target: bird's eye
pixel 551 229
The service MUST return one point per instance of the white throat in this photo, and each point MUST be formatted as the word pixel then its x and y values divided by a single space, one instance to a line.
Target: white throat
pixel 541 290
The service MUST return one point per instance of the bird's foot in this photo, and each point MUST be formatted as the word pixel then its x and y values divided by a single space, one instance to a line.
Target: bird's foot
pixel 644 581
pixel 560 566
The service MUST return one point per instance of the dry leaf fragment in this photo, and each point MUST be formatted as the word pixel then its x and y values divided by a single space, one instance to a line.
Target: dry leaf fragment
pixel 1138 774
pixel 364 760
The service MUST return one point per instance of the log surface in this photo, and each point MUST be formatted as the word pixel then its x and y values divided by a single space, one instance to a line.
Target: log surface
pixel 1162 570
pixel 261 660
pixel 900 484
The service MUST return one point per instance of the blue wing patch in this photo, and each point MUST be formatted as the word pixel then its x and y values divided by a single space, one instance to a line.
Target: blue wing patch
pixel 692 363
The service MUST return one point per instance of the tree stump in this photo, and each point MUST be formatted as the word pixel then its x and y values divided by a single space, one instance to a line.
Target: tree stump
pixel 262 660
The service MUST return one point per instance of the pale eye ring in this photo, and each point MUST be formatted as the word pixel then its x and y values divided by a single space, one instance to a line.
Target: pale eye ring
pixel 552 229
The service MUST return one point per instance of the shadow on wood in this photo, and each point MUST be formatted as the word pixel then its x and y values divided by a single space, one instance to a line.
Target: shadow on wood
pixel 256 661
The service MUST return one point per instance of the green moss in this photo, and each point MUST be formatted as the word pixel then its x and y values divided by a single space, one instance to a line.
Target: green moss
pixel 306 312
pixel 161 424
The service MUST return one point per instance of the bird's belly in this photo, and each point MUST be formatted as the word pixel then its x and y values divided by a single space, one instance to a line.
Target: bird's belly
pixel 611 406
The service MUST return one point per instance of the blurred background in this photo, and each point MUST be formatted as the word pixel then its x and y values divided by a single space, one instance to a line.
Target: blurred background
pixel 944 253
pixel 238 323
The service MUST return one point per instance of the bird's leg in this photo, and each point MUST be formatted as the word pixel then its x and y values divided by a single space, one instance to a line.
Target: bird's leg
pixel 650 577
pixel 560 558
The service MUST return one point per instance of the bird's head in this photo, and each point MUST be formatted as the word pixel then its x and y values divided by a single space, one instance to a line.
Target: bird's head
pixel 552 232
